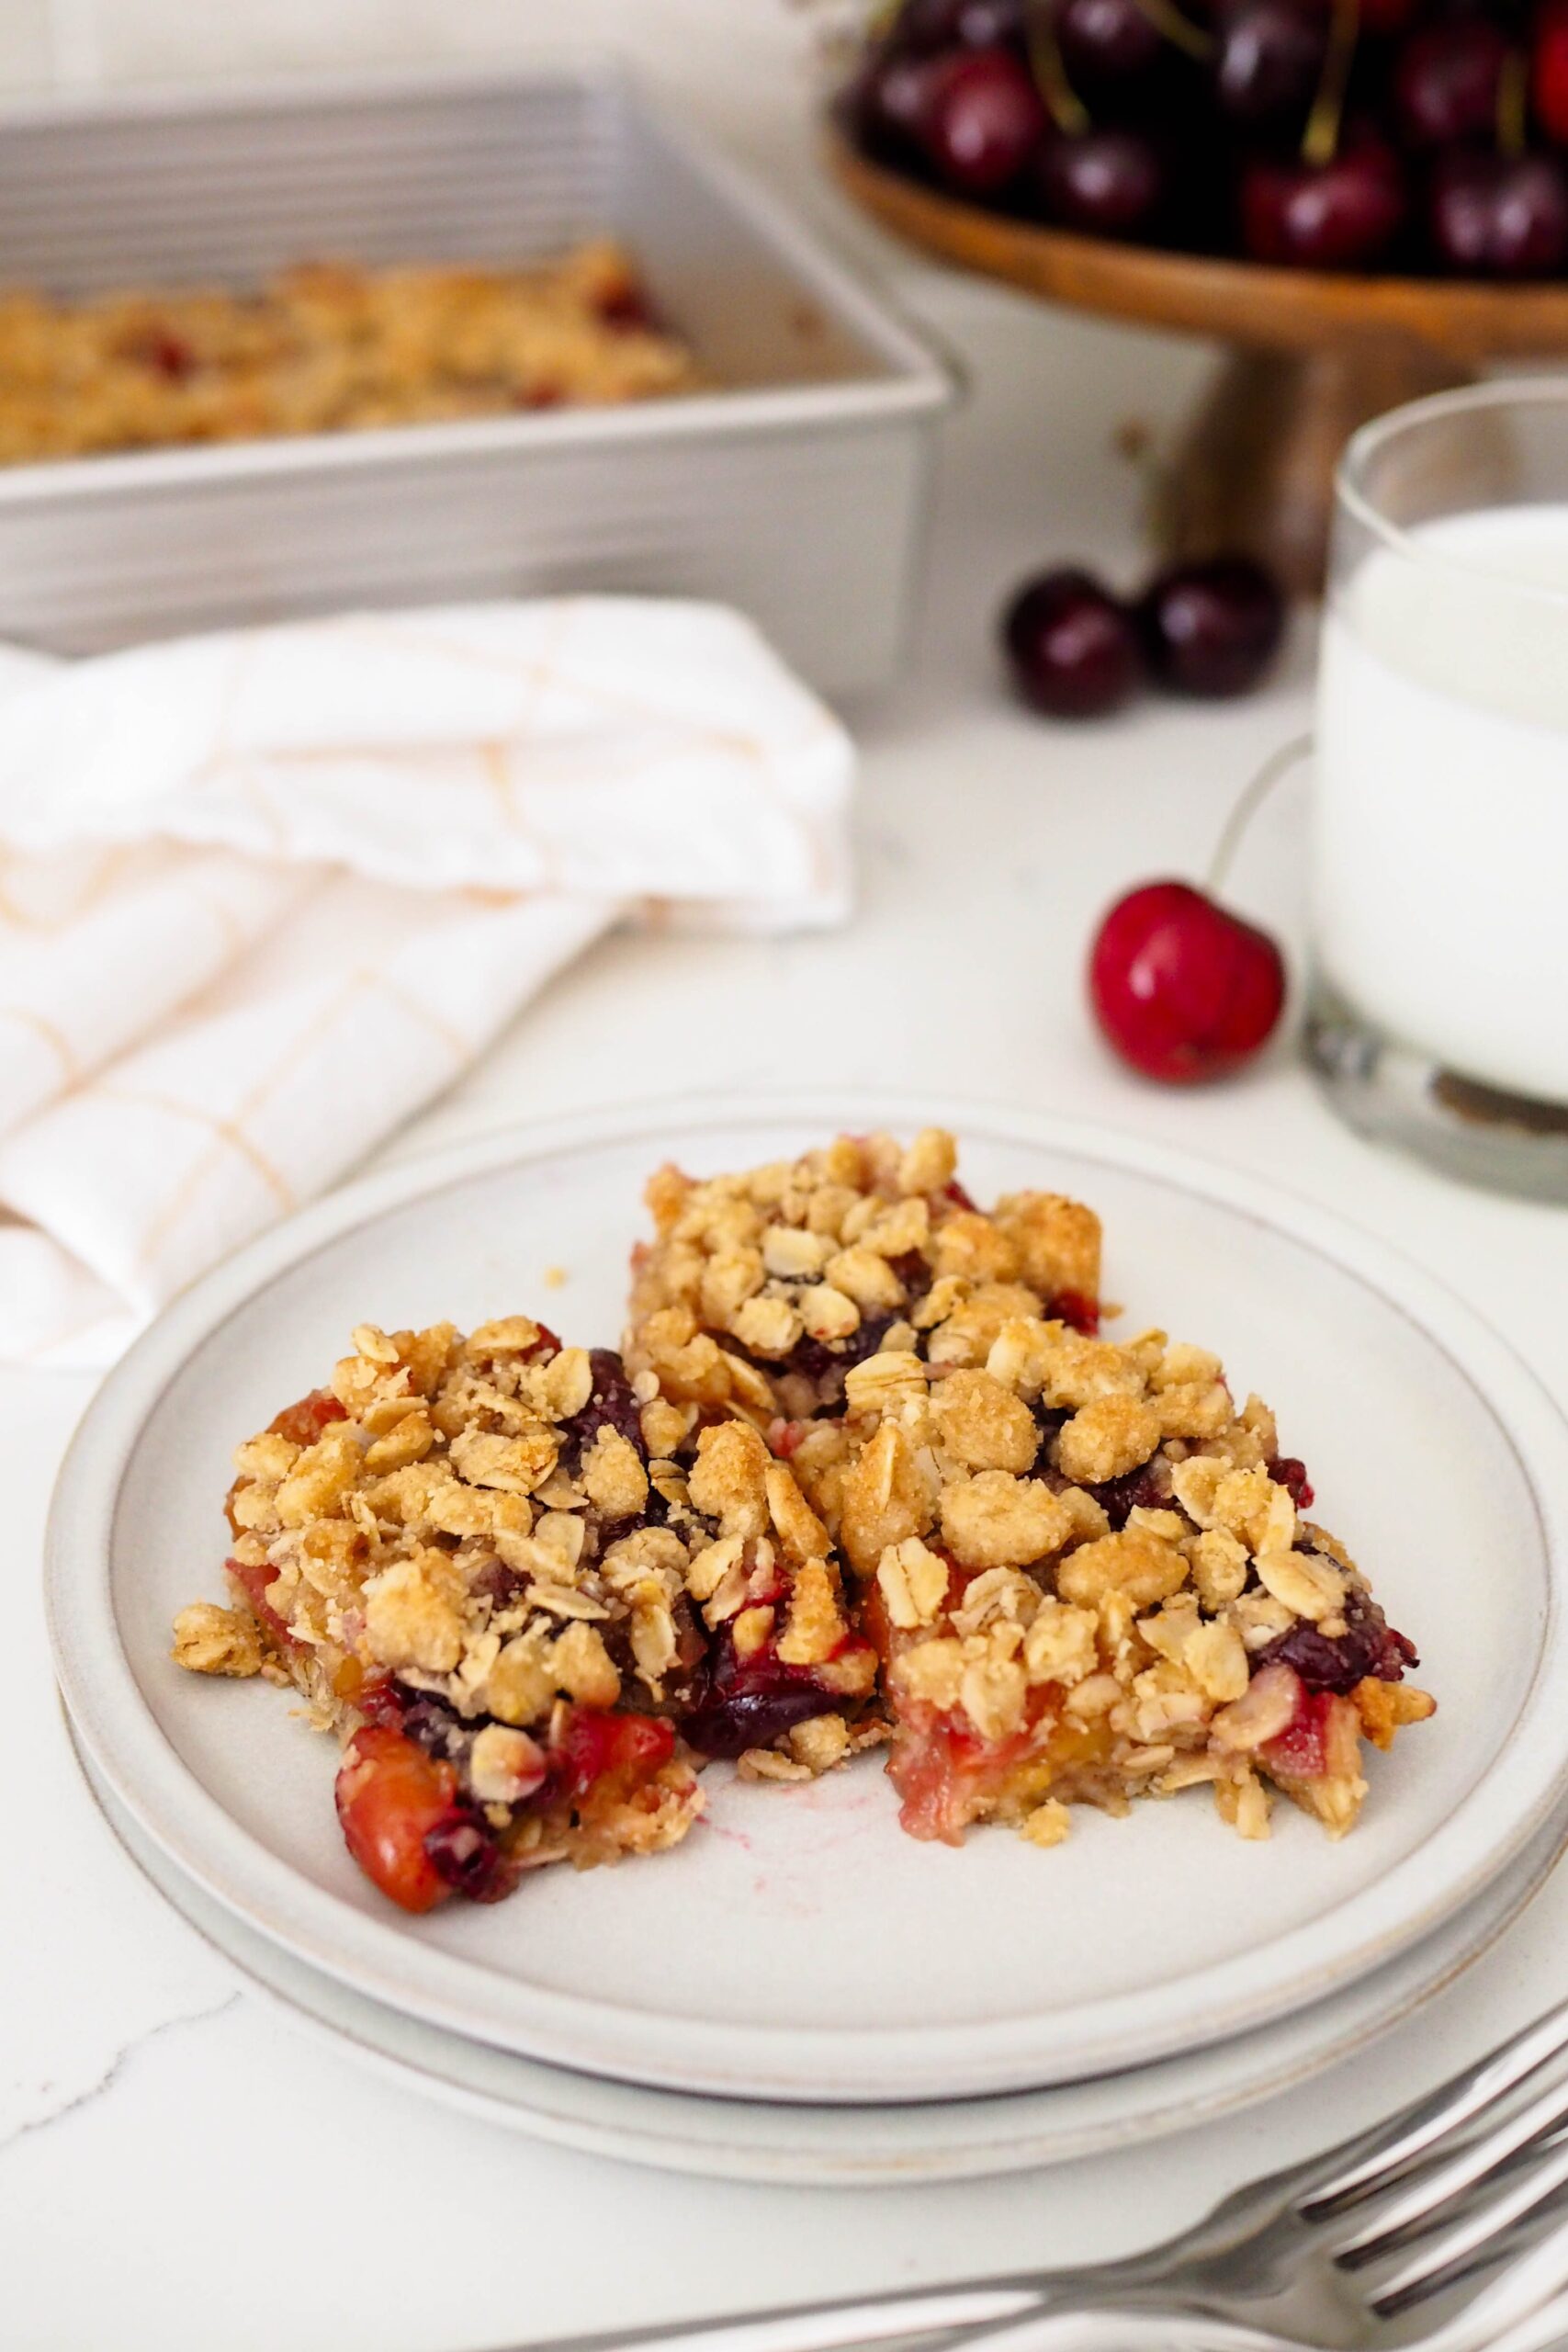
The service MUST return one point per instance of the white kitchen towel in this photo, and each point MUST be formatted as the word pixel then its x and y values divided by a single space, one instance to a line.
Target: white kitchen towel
pixel 262 893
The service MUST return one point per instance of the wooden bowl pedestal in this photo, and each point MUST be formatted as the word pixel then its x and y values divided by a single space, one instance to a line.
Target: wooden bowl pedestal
pixel 1314 355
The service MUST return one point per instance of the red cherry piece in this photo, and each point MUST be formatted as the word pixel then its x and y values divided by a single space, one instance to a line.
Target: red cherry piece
pixel 390 1797
pixel 1072 645
pixel 619 1752
pixel 983 119
pixel 1211 628
pixel 1301 1750
pixel 1339 215
pixel 302 1423
pixel 1183 990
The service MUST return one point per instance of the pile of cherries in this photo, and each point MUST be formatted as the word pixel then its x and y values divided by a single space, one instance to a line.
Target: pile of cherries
pixel 1418 136
pixel 1077 650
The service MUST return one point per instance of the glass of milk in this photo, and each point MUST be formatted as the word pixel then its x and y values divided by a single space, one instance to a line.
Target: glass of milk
pixel 1439 829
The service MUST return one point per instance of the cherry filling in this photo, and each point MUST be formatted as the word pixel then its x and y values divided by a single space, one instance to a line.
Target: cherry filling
pixel 1369 1645
pixel 604 1757
pixel 1300 1751
pixel 1146 1488
pixel 302 1423
pixel 825 1363
pixel 946 1774
pixel 750 1702
pixel 253 1581
pixel 406 1826
pixel 611 1406
pixel 415 1833
pixel 1288 1472
pixel 1070 1306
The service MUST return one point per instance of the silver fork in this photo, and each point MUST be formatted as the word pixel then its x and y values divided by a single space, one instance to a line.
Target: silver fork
pixel 1442 2228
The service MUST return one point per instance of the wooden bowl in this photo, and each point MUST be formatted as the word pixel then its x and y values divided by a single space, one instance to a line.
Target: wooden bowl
pixel 1317 354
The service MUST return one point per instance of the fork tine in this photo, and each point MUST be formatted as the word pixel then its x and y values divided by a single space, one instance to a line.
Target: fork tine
pixel 1434 2118
pixel 1442 2258
pixel 1421 2200
pixel 1543 2330
pixel 1515 2303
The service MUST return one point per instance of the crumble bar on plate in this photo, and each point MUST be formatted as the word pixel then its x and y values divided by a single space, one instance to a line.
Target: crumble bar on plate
pixel 473 1558
pixel 865 1472
pixel 1088 1578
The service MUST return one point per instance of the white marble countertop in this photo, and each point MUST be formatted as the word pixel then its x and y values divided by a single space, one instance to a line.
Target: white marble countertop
pixel 199 2176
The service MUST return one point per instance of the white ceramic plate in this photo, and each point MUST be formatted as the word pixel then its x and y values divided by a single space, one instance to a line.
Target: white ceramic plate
pixel 799 1947
pixel 850 2146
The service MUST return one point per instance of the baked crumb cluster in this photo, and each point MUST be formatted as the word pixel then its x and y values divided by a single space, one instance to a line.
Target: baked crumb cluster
pixel 865 1472
pixel 324 348
pixel 759 1291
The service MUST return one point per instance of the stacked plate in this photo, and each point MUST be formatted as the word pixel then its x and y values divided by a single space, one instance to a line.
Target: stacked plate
pixel 800 1993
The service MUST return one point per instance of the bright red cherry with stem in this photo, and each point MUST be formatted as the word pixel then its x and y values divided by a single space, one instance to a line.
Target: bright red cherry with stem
pixel 983 119
pixel 1341 214
pixel 1183 990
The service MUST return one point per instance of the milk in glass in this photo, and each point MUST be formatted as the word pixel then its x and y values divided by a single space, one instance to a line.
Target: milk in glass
pixel 1439 861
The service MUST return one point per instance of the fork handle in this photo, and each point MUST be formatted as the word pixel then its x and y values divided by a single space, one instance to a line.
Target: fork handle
pixel 912 2319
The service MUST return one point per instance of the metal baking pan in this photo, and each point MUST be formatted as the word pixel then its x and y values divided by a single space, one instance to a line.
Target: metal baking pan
pixel 795 488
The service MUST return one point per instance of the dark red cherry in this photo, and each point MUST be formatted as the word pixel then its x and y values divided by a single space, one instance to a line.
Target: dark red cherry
pixel 921 28
pixel 1072 645
pixel 1496 216
pixel 1268 63
pixel 1107 182
pixel 1445 80
pixel 1211 628
pixel 1104 42
pixel 887 106
pixel 984 120
pixel 1183 990
pixel 1340 215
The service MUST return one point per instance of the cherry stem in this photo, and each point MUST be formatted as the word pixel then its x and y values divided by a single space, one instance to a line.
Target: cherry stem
pixel 1513 105
pixel 1322 138
pixel 1277 765
pixel 1066 110
pixel 1179 30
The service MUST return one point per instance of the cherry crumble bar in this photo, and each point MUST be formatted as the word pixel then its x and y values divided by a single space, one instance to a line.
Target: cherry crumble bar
pixel 865 1472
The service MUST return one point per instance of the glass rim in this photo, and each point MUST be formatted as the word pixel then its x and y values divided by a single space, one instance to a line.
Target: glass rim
pixel 1365 444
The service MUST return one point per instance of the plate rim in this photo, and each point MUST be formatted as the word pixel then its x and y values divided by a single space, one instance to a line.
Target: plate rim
pixel 672 2148
pixel 383 1960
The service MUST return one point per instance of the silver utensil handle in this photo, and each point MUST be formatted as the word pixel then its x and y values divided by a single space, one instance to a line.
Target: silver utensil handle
pixel 886 2320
